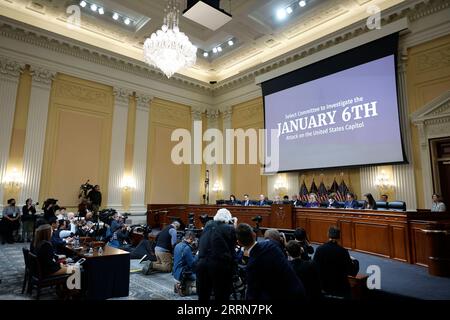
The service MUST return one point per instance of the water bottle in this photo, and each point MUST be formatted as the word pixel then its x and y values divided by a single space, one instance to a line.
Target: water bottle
pixel 100 251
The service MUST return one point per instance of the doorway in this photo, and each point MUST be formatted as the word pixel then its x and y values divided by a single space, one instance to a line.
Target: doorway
pixel 440 162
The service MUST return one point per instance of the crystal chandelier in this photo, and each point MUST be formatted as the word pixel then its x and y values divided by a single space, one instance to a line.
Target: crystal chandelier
pixel 169 49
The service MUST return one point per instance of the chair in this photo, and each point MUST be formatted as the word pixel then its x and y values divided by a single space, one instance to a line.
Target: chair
pixel 382 205
pixel 397 205
pixel 26 277
pixel 38 280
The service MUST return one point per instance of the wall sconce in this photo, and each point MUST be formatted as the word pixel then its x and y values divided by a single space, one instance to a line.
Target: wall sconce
pixel 383 181
pixel 217 187
pixel 128 183
pixel 13 179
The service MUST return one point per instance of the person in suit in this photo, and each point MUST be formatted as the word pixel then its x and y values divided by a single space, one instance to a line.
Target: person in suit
pixel 262 200
pixel 269 275
pixel 306 271
pixel 277 200
pixel 216 262
pixel 332 203
pixel 43 249
pixel 277 238
pixel 295 201
pixel 233 201
pixel 335 265
pixel 438 205
pixel 369 202
pixel 246 202
pixel 10 221
pixel 351 203
pixel 28 220
pixel 384 198
pixel 312 201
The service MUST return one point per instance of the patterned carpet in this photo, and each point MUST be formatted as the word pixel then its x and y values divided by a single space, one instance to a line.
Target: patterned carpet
pixel 157 286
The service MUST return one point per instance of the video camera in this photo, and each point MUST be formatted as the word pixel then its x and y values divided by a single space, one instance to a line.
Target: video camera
pixel 86 187
pixel 204 218
pixel 106 215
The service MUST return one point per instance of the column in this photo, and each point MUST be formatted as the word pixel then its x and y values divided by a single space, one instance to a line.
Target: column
pixel 368 177
pixel 404 179
pixel 195 170
pixel 9 81
pixel 138 204
pixel 117 158
pixel 227 115
pixel 212 116
pixel 35 134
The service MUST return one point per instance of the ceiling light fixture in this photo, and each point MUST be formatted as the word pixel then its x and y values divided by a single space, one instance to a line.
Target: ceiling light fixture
pixel 83 4
pixel 289 10
pixel 115 16
pixel 230 42
pixel 127 21
pixel 281 14
pixel 205 54
pixel 169 49
pixel 215 50
pixel 93 7
pixel 219 49
pixel 302 3
pixel 101 11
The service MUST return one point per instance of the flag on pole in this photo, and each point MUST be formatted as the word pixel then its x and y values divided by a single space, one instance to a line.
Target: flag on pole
pixel 313 188
pixel 334 187
pixel 342 191
pixel 322 193
pixel 303 192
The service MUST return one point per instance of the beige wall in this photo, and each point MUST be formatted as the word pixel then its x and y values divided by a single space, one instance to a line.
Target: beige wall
pixel 166 182
pixel 78 139
pixel 428 76
pixel 247 178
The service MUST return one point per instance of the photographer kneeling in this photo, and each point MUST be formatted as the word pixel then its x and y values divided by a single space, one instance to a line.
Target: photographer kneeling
pixel 183 265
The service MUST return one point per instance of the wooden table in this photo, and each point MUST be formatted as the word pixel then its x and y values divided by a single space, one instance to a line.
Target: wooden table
pixel 396 235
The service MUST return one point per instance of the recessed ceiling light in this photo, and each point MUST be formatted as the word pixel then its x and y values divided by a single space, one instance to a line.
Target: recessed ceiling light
pixel 219 49
pixel 83 4
pixel 281 14
pixel 215 50
pixel 230 42
pixel 93 7
pixel 101 11
pixel 115 16
pixel 302 3
pixel 127 21
pixel 289 10
pixel 205 54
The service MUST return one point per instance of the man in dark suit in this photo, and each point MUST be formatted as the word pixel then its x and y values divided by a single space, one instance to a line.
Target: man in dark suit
pixel 246 202
pixel 262 200
pixel 295 201
pixel 332 203
pixel 351 203
pixel 269 275
pixel 335 265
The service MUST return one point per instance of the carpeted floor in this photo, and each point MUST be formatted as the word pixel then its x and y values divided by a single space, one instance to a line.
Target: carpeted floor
pixel 398 280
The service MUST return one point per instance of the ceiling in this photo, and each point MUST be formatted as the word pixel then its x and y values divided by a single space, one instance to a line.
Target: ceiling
pixel 257 34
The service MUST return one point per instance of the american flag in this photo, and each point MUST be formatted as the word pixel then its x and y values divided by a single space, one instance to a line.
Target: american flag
pixel 322 193
pixel 303 192
pixel 334 187
pixel 342 191
pixel 313 188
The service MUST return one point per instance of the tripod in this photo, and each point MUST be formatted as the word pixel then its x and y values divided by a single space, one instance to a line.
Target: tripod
pixel 206 195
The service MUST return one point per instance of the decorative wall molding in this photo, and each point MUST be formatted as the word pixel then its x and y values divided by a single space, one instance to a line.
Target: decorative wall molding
pixel 432 121
pixel 122 95
pixel 143 101
pixel 10 68
pixel 196 113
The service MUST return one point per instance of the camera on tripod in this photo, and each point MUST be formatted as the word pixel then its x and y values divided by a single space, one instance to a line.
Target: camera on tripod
pixel 258 220
pixel 204 218
pixel 191 221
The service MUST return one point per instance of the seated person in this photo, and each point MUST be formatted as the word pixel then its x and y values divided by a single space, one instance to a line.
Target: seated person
pixel 296 202
pixel 335 265
pixel 384 198
pixel 286 199
pixel 332 203
pixel 268 273
pixel 72 222
pixel 301 237
pixel 246 202
pixel 438 205
pixel 277 238
pixel 233 201
pixel 57 243
pixel 306 270
pixel 119 238
pixel 262 200
pixel 183 264
pixel 351 203
pixel 43 249
pixel 61 213
pixel 277 200
pixel 369 202
pixel 312 201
